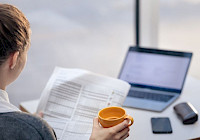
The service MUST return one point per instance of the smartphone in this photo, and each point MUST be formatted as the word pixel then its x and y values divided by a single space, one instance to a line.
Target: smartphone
pixel 161 125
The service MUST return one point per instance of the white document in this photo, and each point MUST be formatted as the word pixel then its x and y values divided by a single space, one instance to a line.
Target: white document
pixel 73 97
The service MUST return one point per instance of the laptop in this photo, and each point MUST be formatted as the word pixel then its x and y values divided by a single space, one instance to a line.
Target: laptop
pixel 156 77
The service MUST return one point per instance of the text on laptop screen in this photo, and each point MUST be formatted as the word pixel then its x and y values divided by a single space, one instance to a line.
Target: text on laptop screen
pixel 165 71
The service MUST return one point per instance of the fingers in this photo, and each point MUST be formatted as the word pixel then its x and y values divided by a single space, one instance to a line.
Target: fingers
pixel 125 136
pixel 123 133
pixel 121 126
pixel 96 122
pixel 40 114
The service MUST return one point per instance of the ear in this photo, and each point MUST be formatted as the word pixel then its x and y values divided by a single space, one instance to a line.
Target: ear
pixel 13 60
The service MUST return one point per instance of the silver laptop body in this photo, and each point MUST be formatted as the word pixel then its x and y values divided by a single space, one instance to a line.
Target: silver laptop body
pixel 156 77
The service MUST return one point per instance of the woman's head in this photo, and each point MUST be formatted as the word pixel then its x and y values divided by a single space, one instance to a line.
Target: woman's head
pixel 14 41
pixel 14 31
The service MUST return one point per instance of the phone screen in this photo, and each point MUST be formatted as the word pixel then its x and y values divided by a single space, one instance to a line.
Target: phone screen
pixel 161 125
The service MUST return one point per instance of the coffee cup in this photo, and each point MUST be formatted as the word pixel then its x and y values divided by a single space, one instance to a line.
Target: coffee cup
pixel 111 116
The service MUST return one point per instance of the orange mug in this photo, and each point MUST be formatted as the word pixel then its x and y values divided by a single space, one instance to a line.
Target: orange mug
pixel 111 116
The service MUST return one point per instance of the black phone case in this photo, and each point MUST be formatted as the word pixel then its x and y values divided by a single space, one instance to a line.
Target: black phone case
pixel 186 112
pixel 161 125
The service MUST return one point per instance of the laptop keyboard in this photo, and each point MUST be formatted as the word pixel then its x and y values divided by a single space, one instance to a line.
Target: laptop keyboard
pixel 150 96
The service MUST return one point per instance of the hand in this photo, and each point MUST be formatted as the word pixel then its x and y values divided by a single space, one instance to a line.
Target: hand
pixel 39 114
pixel 118 132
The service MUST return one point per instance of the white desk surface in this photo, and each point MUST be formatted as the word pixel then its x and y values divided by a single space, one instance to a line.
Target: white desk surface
pixel 141 129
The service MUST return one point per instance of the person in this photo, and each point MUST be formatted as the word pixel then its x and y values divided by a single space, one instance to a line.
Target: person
pixel 15 35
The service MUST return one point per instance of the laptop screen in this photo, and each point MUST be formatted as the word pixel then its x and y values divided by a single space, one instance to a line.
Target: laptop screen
pixel 155 68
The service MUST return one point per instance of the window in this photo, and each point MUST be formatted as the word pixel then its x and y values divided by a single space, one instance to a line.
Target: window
pixel 88 34
pixel 179 28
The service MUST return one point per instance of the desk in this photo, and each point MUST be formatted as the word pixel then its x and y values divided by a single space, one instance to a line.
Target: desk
pixel 141 129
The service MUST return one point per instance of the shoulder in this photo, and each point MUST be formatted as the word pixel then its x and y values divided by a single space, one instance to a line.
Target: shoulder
pixel 24 126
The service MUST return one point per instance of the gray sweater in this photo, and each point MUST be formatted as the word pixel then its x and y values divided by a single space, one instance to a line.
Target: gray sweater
pixel 23 126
